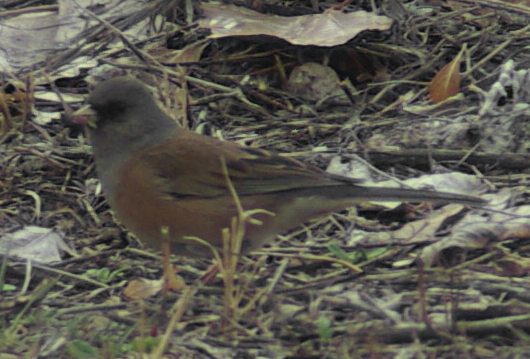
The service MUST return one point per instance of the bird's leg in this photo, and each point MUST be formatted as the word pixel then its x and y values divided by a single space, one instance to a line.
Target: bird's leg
pixel 171 280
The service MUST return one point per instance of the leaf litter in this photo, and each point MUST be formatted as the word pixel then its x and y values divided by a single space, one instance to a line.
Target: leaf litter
pixel 438 281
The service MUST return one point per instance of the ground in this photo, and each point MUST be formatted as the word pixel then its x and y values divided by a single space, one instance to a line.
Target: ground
pixel 372 281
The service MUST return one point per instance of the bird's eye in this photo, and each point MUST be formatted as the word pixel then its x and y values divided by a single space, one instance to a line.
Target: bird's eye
pixel 111 109
pixel 119 107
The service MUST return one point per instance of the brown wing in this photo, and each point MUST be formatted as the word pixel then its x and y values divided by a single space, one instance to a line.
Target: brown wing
pixel 190 165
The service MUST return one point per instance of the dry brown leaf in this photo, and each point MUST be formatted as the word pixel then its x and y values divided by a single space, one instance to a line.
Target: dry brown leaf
pixel 425 229
pixel 42 245
pixel 477 230
pixel 315 82
pixel 446 82
pixel 142 288
pixel 415 232
pixel 330 28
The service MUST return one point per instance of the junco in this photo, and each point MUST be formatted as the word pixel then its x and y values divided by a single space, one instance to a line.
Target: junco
pixel 156 174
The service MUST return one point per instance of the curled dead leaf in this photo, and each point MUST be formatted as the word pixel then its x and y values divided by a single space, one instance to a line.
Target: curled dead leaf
pixel 446 82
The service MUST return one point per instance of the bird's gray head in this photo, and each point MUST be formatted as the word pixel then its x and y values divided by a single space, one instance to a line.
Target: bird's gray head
pixel 117 99
pixel 128 119
pixel 126 111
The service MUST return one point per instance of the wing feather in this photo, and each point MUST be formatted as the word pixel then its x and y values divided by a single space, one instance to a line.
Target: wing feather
pixel 183 172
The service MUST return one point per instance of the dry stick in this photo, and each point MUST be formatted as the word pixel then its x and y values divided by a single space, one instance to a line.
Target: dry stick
pixel 497 49
pixel 232 241
pixel 178 310
pixel 505 5
pixel 143 56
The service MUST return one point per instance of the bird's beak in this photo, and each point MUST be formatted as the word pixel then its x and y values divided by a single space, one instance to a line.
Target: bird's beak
pixel 85 116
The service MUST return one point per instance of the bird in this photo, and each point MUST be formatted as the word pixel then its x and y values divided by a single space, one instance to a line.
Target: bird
pixel 156 174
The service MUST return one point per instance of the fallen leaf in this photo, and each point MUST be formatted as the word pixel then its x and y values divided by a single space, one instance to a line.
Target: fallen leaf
pixel 315 82
pixel 330 28
pixel 142 288
pixel 446 82
pixel 42 245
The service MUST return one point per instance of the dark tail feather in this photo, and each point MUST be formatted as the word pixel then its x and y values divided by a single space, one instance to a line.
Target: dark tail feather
pixel 388 194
